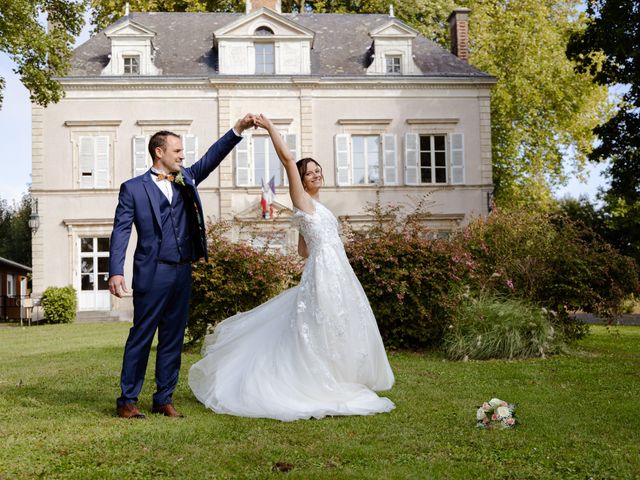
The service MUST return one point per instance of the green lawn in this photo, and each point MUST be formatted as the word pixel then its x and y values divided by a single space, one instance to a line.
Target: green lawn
pixel 579 418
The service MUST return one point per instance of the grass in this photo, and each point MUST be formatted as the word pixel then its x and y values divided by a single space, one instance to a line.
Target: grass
pixel 579 417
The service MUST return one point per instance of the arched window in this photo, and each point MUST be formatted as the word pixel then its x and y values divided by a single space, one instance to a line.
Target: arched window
pixel 263 31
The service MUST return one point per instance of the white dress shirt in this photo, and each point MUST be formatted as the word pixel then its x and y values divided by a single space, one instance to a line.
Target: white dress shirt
pixel 164 185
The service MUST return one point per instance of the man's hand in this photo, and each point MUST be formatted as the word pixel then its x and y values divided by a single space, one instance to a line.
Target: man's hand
pixel 117 285
pixel 248 121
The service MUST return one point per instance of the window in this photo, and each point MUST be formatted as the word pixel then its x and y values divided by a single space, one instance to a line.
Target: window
pixel 11 285
pixel 434 159
pixel 366 159
pixel 94 161
pixel 365 163
pixel 393 64
pixel 265 63
pixel 94 263
pixel 263 31
pixel 256 160
pixel 131 64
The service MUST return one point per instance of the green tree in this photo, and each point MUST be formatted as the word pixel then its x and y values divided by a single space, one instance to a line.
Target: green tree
pixel 542 109
pixel 40 56
pixel 15 234
pixel 614 32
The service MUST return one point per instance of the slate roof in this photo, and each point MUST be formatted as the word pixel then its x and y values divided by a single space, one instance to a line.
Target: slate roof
pixel 341 45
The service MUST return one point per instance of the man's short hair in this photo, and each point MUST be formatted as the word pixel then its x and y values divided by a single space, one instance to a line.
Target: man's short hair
pixel 159 139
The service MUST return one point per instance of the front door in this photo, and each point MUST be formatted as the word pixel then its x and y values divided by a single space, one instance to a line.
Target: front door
pixel 94 274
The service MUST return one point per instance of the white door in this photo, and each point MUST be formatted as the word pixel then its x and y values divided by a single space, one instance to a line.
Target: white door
pixel 94 274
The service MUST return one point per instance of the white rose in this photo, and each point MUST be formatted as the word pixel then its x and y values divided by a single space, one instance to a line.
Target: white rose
pixel 480 414
pixel 494 402
pixel 503 412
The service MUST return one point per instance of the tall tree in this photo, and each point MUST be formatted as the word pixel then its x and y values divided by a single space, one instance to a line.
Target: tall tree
pixel 542 109
pixel 39 55
pixel 15 234
pixel 614 32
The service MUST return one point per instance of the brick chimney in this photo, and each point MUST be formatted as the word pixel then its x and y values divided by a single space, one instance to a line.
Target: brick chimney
pixel 459 31
pixel 253 5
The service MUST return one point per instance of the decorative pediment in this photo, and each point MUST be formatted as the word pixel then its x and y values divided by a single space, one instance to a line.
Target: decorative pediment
pixel 246 27
pixel 252 214
pixel 129 28
pixel 264 43
pixel 393 30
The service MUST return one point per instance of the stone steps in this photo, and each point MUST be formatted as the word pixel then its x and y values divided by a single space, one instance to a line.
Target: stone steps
pixel 99 316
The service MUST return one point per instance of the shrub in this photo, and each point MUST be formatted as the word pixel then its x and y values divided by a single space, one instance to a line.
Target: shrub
pixel 488 327
pixel 551 261
pixel 410 279
pixel 59 304
pixel 237 278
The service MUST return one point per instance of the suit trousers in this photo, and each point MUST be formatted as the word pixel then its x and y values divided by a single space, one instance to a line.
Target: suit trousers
pixel 163 308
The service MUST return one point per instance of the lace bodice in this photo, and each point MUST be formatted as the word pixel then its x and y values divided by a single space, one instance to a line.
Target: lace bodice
pixel 319 228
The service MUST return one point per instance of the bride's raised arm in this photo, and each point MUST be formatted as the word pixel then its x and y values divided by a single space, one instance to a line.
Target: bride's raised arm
pixel 301 200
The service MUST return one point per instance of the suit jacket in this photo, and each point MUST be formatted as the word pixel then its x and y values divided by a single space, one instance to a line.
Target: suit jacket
pixel 137 206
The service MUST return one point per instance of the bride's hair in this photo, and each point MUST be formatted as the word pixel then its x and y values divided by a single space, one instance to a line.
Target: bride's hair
pixel 302 167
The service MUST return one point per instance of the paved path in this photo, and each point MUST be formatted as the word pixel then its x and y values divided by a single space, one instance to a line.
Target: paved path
pixel 625 319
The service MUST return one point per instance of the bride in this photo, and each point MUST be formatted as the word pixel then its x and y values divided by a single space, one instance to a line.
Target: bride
pixel 312 351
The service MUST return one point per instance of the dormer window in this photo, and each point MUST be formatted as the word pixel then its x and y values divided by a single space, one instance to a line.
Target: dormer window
pixel 131 64
pixel 393 63
pixel 264 43
pixel 265 58
pixel 393 47
pixel 132 50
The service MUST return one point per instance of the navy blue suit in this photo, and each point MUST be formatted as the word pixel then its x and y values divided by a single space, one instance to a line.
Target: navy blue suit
pixel 170 236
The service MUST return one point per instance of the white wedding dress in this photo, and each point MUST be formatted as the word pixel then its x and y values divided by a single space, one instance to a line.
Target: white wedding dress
pixel 312 351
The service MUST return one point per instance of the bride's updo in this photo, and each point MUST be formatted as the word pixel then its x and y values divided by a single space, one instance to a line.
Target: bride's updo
pixel 302 167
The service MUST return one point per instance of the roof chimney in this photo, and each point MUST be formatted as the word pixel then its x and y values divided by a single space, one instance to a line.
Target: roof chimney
pixel 253 5
pixel 459 30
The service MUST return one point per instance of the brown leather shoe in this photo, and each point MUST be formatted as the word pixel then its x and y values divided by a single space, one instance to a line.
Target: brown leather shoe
pixel 167 410
pixel 129 410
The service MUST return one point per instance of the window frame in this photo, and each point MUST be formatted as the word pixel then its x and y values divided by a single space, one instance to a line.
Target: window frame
pixel 454 167
pixel 245 153
pixel 432 151
pixel 272 46
pixel 393 57
pixel 132 58
pixel 387 160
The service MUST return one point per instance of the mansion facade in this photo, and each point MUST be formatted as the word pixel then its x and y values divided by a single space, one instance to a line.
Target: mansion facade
pixel 386 112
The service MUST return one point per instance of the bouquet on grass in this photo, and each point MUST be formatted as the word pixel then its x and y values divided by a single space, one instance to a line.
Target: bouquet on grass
pixel 496 412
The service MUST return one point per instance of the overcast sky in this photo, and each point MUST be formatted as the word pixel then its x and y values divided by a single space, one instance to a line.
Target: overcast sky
pixel 15 132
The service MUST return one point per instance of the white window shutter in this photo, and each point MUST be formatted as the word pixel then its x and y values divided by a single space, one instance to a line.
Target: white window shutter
pixel 139 147
pixel 292 143
pixel 102 161
pixel 190 145
pixel 411 158
pixel 457 158
pixel 343 155
pixel 243 163
pixel 389 159
pixel 87 161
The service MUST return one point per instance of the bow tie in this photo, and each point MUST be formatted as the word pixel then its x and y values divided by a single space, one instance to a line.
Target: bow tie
pixel 164 176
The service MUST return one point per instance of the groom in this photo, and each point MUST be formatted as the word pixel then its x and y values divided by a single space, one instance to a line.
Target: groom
pixel 165 208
